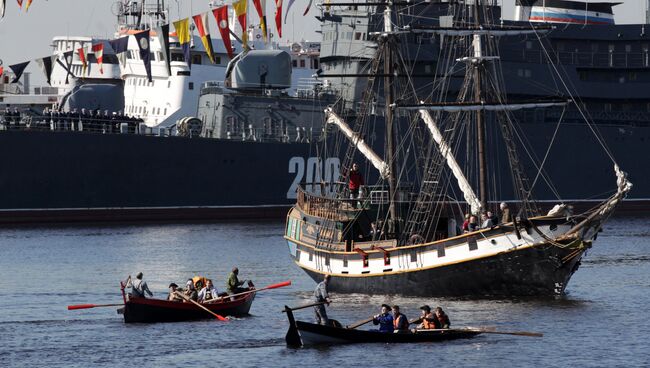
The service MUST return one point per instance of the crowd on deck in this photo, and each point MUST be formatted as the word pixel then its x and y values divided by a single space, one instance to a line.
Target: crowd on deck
pixel 197 289
pixel 91 120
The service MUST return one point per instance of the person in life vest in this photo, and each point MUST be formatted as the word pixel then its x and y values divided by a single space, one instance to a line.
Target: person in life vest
pixel 400 322
pixel 355 181
pixel 208 292
pixel 426 320
pixel 384 319
pixel 441 320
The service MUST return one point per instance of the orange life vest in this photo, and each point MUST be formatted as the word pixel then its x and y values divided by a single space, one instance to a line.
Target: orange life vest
pixel 428 324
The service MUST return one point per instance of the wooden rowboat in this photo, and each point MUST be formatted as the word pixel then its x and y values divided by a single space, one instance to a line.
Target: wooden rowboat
pixel 143 310
pixel 310 334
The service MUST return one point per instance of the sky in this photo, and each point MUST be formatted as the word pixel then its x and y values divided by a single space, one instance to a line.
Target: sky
pixel 27 36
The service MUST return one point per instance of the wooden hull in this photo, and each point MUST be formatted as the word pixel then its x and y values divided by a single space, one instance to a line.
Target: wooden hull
pixel 141 310
pixel 534 271
pixel 310 334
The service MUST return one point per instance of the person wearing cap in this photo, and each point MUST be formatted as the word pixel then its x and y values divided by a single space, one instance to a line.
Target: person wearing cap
pixel 440 319
pixel 173 297
pixel 190 290
pixel 208 292
pixel 233 285
pixel 138 286
pixel 426 320
pixel 400 322
pixel 321 296
pixel 384 319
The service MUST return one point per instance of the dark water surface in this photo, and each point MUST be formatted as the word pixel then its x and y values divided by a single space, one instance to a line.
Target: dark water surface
pixel 603 321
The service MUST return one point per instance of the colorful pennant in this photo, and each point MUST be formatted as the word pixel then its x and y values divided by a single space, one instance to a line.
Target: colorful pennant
pixel 20 4
pixel 278 17
pixel 46 65
pixel 286 15
pixel 98 49
pixel 142 38
pixel 18 70
pixel 241 8
pixel 29 2
pixel 221 15
pixel 260 6
pixel 84 62
pixel 201 22
pixel 182 28
pixel 162 32
pixel 308 7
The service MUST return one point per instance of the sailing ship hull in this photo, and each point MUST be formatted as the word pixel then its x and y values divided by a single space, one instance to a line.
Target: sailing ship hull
pixel 536 271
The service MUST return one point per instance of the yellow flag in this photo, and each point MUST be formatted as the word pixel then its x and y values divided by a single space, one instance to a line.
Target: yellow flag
pixel 182 30
pixel 241 7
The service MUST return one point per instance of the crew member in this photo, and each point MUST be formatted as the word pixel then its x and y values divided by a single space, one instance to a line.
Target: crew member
pixel 400 322
pixel 441 319
pixel 426 320
pixel 190 290
pixel 355 181
pixel 505 212
pixel 321 296
pixel 208 292
pixel 233 285
pixel 173 297
pixel 384 319
pixel 138 286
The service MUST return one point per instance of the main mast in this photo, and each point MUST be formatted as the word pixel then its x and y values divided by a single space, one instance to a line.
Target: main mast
pixel 390 135
pixel 478 96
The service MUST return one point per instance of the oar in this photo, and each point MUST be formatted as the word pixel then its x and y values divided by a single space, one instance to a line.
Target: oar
pixel 482 330
pixel 220 318
pixel 274 286
pixel 302 306
pixel 359 323
pixel 87 306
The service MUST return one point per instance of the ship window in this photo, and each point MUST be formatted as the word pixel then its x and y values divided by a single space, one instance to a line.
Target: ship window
pixel 628 48
pixel 196 59
pixel 302 63
pixel 169 84
pixel 190 86
pixel 177 57
pixel 217 59
pixel 315 63
pixel 358 35
pixel 295 63
pixel 165 112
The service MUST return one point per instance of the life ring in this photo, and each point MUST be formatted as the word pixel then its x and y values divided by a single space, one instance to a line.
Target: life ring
pixel 258 36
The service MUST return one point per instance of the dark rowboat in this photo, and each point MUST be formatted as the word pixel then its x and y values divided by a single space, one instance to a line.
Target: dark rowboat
pixel 310 334
pixel 142 310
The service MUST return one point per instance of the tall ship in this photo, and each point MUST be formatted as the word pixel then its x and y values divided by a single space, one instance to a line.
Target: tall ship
pixel 186 158
pixel 445 155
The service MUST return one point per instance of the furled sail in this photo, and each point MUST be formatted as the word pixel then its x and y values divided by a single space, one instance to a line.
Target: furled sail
pixel 358 142
pixel 485 106
pixel 445 150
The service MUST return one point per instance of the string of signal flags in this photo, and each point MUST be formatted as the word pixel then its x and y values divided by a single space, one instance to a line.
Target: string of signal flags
pixel 182 30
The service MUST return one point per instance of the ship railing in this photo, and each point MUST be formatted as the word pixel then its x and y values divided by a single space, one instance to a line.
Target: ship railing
pixel 101 125
pixel 328 208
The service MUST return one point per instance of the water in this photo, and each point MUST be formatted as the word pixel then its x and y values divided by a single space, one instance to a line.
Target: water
pixel 601 322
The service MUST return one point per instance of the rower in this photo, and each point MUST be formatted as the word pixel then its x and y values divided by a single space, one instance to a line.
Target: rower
pixel 190 290
pixel 233 285
pixel 400 322
pixel 138 287
pixel 321 296
pixel 426 320
pixel 208 292
pixel 441 319
pixel 173 297
pixel 384 319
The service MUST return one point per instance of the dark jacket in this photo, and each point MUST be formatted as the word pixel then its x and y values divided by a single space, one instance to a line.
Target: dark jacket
pixel 385 322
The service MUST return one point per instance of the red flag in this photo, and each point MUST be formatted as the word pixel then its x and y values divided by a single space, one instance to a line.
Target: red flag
pixel 2 70
pixel 201 22
pixel 221 15
pixel 98 49
pixel 260 6
pixel 278 16
pixel 20 3
pixel 29 2
pixel 82 58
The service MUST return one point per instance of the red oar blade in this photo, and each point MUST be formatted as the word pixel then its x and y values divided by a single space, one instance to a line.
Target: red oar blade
pixel 81 306
pixel 278 285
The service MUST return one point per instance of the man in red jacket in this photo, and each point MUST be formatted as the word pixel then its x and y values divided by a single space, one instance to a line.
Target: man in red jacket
pixel 356 181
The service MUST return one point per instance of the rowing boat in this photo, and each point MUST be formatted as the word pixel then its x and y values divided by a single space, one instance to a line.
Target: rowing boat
pixel 310 334
pixel 144 310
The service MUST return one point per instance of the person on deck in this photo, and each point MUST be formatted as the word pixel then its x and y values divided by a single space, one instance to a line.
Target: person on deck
pixel 426 320
pixel 190 290
pixel 138 287
pixel 505 212
pixel 355 181
pixel 233 285
pixel 473 224
pixel 208 292
pixel 492 216
pixel 384 319
pixel 465 228
pixel 400 322
pixel 441 319
pixel 173 297
pixel 321 296
pixel 486 222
